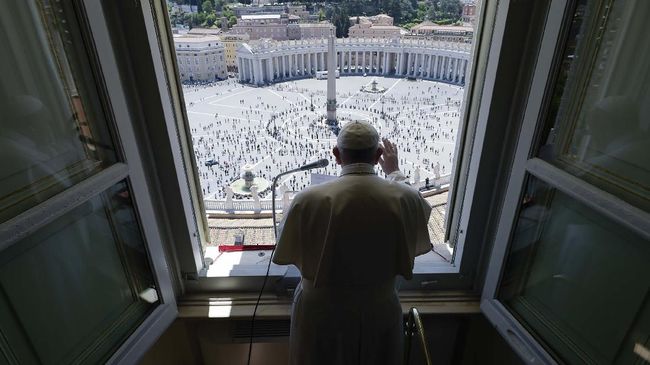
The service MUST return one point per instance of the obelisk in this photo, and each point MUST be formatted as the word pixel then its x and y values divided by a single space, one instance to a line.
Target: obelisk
pixel 331 79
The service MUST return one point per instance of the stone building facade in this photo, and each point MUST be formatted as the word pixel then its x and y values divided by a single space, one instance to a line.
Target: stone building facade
pixel 369 30
pixel 272 26
pixel 443 33
pixel 231 42
pixel 200 58
pixel 263 62
pixel 309 30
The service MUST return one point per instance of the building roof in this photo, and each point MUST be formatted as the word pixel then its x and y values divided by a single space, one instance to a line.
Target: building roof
pixel 260 16
pixel 188 38
pixel 316 25
pixel 427 25
pixel 234 36
pixel 385 27
pixel 204 31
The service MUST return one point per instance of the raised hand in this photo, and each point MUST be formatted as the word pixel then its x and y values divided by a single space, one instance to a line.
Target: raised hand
pixel 389 160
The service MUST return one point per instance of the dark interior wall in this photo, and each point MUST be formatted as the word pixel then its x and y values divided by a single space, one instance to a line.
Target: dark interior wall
pixel 452 339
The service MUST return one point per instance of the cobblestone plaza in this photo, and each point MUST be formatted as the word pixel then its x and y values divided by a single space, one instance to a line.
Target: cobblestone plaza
pixel 275 128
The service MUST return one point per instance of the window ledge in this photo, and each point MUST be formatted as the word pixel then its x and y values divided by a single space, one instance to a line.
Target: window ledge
pixel 241 305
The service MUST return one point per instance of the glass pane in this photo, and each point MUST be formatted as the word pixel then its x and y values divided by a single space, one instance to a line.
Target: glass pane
pixel 574 278
pixel 53 133
pixel 598 127
pixel 75 289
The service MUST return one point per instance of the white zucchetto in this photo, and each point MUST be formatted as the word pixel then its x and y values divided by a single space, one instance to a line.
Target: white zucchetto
pixel 357 135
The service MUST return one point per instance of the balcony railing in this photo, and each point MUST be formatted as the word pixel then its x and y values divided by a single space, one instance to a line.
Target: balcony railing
pixel 216 206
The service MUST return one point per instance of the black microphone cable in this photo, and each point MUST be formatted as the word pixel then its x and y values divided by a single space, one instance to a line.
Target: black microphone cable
pixel 317 164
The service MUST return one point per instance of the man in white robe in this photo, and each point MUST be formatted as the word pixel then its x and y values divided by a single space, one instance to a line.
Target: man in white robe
pixel 350 238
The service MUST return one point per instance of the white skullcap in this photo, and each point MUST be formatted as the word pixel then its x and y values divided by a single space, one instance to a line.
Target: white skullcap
pixel 357 135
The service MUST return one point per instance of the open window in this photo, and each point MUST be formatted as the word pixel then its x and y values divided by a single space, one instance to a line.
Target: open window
pixel 83 275
pixel 568 274
pixel 264 119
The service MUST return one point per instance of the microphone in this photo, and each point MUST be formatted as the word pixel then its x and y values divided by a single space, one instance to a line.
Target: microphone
pixel 315 165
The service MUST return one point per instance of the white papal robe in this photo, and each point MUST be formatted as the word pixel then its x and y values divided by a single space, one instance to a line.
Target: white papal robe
pixel 350 238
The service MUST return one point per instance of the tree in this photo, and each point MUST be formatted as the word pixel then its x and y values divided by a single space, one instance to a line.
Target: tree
pixel 207 7
pixel 210 19
pixel 446 10
pixel 341 20
pixel 230 15
pixel 321 15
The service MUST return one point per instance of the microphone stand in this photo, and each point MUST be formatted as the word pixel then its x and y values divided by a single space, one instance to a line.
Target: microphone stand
pixel 273 185
pixel 268 268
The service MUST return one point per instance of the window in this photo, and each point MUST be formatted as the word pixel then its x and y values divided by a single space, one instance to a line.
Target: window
pixel 82 271
pixel 574 236
pixel 235 125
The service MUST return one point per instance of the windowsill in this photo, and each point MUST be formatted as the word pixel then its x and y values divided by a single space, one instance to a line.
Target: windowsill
pixel 254 263
pixel 241 305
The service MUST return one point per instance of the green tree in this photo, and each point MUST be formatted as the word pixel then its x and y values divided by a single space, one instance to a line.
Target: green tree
pixel 321 15
pixel 207 7
pixel 448 11
pixel 341 20
pixel 210 20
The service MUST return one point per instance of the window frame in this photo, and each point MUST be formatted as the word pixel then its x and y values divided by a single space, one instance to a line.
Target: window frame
pixel 128 168
pixel 527 165
pixel 460 275
pixel 162 316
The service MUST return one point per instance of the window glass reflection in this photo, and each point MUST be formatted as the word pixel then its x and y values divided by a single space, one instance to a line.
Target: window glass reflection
pixel 53 133
pixel 83 281
pixel 576 279
pixel 598 127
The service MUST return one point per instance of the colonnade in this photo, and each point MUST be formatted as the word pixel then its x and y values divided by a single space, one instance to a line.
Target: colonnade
pixel 281 61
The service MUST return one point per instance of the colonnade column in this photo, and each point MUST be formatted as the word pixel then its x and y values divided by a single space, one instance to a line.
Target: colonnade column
pixel 309 70
pixel 452 69
pixel 407 63
pixel 398 70
pixel 447 64
pixel 303 66
pixel 375 62
pixel 299 68
pixel 464 71
pixel 416 57
pixel 356 61
pixel 268 70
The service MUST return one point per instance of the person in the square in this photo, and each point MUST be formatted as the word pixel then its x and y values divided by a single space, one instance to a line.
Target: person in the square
pixel 350 238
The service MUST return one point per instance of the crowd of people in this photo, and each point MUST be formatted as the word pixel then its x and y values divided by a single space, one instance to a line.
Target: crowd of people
pixel 282 126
